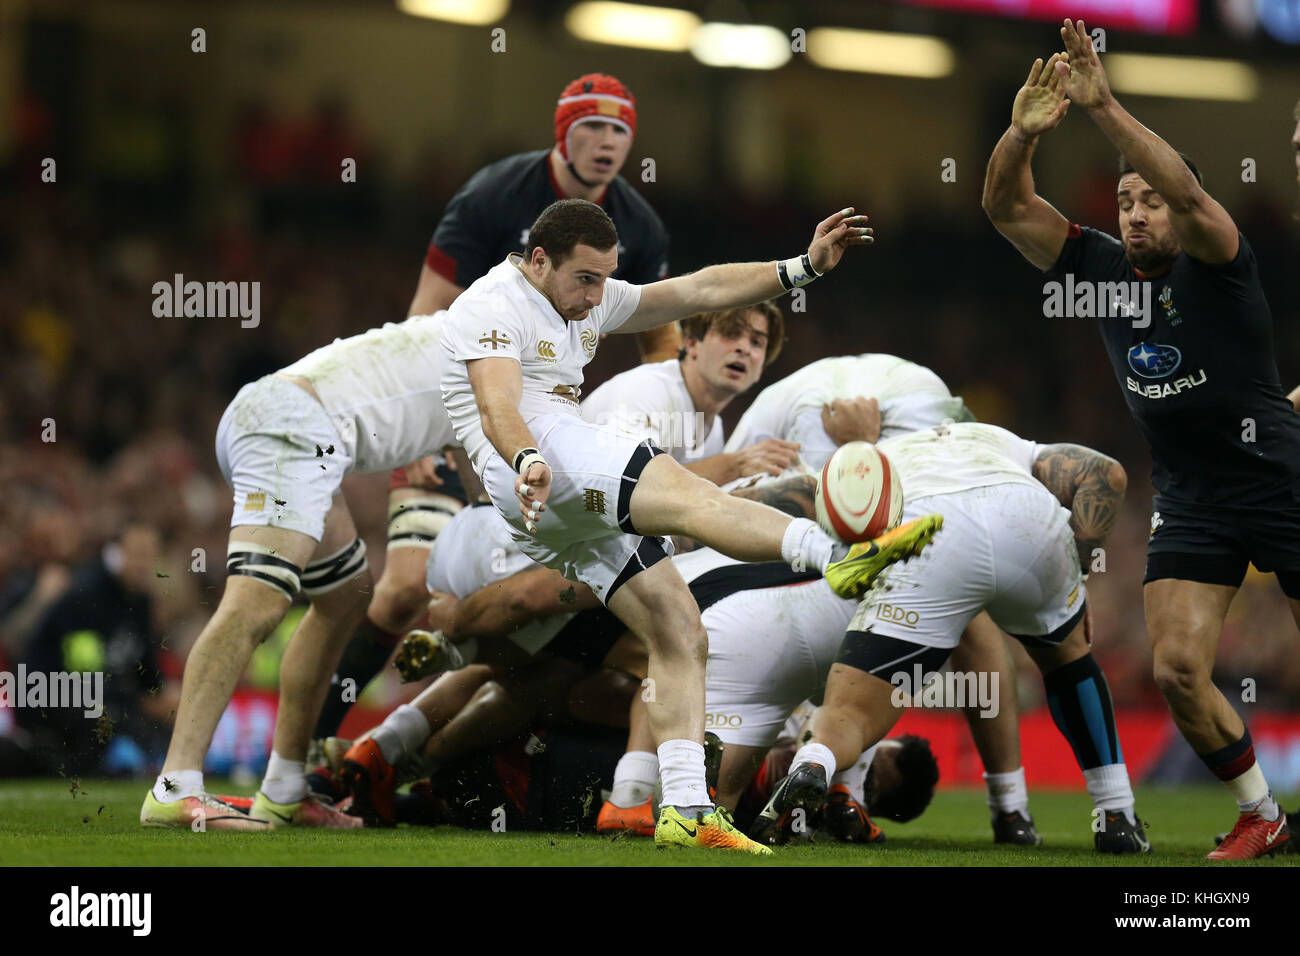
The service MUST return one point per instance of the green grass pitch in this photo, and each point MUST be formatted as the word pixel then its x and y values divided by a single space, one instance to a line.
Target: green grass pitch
pixel 47 823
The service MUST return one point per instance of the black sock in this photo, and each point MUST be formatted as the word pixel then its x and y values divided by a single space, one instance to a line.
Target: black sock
pixel 1080 703
pixel 363 658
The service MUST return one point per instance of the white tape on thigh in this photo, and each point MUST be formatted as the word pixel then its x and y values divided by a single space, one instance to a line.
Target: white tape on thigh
pixel 261 563
pixel 334 571
pixel 416 522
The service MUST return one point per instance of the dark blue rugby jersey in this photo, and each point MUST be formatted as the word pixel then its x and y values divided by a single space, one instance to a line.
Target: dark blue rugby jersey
pixel 489 218
pixel 1199 374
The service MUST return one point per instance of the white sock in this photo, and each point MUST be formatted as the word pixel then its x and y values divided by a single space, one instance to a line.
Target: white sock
pixel 815 753
pixel 634 778
pixel 177 784
pixel 805 546
pixel 681 769
pixel 1252 793
pixel 403 732
pixel 285 780
pixel 1110 789
pixel 1007 792
pixel 855 777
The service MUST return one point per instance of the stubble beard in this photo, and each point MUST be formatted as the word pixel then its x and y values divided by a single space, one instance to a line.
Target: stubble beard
pixel 1153 256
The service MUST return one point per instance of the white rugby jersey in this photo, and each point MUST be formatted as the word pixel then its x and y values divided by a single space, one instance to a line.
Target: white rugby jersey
pixel 473 551
pixel 910 396
pixel 502 316
pixel 951 458
pixel 383 390
pixel 652 401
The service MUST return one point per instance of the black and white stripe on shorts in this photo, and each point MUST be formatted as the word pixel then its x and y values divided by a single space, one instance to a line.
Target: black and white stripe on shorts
pixel 631 475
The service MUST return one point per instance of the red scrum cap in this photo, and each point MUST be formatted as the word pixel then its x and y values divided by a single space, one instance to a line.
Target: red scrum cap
pixel 594 98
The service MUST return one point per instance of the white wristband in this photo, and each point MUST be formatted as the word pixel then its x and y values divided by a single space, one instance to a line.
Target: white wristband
pixel 793 273
pixel 532 458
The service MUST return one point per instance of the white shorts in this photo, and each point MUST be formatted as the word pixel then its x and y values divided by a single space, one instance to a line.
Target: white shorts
pixel 279 450
pixel 769 651
pixel 1007 549
pixel 579 534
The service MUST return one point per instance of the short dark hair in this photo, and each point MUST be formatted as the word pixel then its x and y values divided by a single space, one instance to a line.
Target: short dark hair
pixel 918 772
pixel 1125 167
pixel 733 322
pixel 567 223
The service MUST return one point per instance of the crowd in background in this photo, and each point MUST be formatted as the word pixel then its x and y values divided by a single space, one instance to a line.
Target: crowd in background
pixel 108 412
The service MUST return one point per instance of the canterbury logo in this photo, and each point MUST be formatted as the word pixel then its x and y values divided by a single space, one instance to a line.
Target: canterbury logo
pixel 546 350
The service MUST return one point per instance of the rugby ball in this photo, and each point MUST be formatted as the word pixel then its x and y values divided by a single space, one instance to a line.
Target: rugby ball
pixel 859 496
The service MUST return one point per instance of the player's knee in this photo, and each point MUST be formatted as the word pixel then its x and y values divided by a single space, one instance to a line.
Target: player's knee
pixel 250 612
pixel 682 636
pixel 1179 673
pixel 396 603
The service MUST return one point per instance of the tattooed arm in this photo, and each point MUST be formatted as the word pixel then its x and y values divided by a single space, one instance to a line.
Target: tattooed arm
pixel 795 496
pixel 1090 484
pixel 507 605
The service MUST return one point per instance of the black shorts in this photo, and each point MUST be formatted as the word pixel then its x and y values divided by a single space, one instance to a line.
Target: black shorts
pixel 883 656
pixel 1215 544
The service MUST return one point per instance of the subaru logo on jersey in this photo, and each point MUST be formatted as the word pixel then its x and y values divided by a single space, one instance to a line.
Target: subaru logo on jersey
pixel 1151 360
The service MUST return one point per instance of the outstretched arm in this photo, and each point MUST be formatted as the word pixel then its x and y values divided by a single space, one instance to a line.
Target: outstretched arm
pixel 1203 227
pixel 1090 484
pixel 737 284
pixel 1027 220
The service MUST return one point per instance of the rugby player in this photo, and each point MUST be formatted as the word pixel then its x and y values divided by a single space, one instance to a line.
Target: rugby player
pixel 1010 548
pixel 594 122
pixel 677 404
pixel 804 407
pixel 1200 379
pixel 365 403
pixel 518 340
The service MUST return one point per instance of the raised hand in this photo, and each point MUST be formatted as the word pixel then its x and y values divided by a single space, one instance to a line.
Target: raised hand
pixel 1081 70
pixel 835 234
pixel 1041 104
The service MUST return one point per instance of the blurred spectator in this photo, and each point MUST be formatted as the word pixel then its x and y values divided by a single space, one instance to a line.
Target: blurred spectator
pixel 102 624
